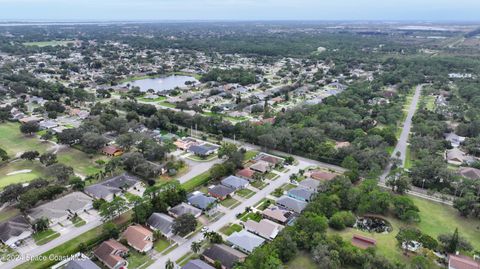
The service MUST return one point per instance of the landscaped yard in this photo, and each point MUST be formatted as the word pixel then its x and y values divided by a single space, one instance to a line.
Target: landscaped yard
pixel 77 222
pixel 264 203
pixel 253 216
pixel 161 244
pixel 246 193
pixel 249 155
pixel 13 141
pixel 158 99
pixel 230 229
pixel 166 104
pixel 196 181
pixel 209 158
pixel 259 184
pixel 17 172
pixel 138 260
pixel 229 203
pixel 271 176
pixel 44 237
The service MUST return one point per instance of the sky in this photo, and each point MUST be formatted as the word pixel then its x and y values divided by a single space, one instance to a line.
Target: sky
pixel 160 10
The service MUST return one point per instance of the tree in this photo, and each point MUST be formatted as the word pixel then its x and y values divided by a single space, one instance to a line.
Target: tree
pixel 41 225
pixel 60 171
pixel 405 209
pixel 169 265
pixel 113 209
pixel 468 205
pixel 227 149
pixel 3 155
pixel 48 158
pixel 196 246
pixel 453 242
pixel 29 128
pixel 213 237
pixel 30 155
pixel 110 230
pixel 70 136
pixel 184 224
pixel 263 257
pixel 399 183
pixel 77 183
pixel 93 141
pixel 141 211
pixel 420 262
pixel 126 141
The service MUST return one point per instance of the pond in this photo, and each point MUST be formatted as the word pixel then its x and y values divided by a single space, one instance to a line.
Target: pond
pixel 161 84
pixel 373 224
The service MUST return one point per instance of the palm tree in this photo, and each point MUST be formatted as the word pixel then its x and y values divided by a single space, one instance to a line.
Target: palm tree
pixel 196 246
pixel 169 265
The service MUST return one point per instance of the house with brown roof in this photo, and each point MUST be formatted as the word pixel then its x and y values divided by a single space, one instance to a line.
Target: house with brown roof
pixel 111 253
pixel 226 255
pixel 341 144
pixel 277 214
pixel 261 167
pixel 462 262
pixel 456 156
pixel 321 175
pixel 139 238
pixel 112 151
pixel 469 172
pixel 273 160
pixel 246 173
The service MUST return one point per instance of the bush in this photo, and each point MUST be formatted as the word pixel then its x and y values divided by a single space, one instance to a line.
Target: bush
pixel 342 219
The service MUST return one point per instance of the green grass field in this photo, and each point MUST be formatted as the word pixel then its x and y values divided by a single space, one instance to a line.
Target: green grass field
pixel 81 162
pixel 138 260
pixel 41 238
pixel 37 171
pixel 13 141
pixel 196 181
pixel 230 203
pixel 230 229
pixel 161 244
pixel 246 193
pixel 48 43
pixel 302 261
pixel 250 154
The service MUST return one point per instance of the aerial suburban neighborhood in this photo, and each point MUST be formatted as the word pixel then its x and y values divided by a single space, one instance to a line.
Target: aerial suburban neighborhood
pixel 238 144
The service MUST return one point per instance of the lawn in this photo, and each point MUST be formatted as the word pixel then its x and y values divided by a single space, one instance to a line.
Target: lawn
pixel 302 261
pixel 44 237
pixel 37 170
pixel 161 244
pixel 271 176
pixel 246 193
pixel 250 154
pixel 253 216
pixel 138 260
pixel 49 43
pixel 230 203
pixel 167 104
pixel 13 141
pixel 81 162
pixel 264 203
pixel 158 99
pixel 408 158
pixel 78 222
pixel 196 181
pixel 259 184
pixel 196 158
pixel 230 229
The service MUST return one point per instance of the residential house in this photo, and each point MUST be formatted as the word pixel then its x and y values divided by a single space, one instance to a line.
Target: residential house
pixel 226 255
pixel 220 192
pixel 278 214
pixel 139 238
pixel 456 156
pixel 469 172
pixel 186 143
pixel 184 208
pixel 301 193
pixel 321 175
pixel 162 223
pixel 261 167
pixel 245 241
pixel 114 186
pixel 30 119
pixel 246 173
pixel 310 183
pixel 111 254
pixel 112 151
pixel 341 144
pixel 76 261
pixel 47 124
pixel 61 209
pixel 201 201
pixel 273 160
pixel 462 262
pixel 203 150
pixel 234 182
pixel 265 228
pixel 15 230
pixel 454 139
pixel 197 264
pixel 363 242
pixel 292 204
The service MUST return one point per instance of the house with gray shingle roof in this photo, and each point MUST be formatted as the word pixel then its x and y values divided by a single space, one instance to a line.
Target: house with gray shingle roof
pixel 184 208
pixel 234 182
pixel 15 230
pixel 301 193
pixel 162 223
pixel 292 204
pixel 201 201
pixel 245 241
pixel 112 187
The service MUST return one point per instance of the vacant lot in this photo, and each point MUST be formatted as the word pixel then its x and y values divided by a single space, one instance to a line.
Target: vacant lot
pixel 13 141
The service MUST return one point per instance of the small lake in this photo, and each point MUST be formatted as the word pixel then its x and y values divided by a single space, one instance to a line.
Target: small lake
pixel 161 84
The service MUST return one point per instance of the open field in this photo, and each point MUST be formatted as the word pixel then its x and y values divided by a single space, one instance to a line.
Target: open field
pixel 13 141
pixel 435 219
pixel 37 170
pixel 302 261
pixel 81 162
pixel 49 43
